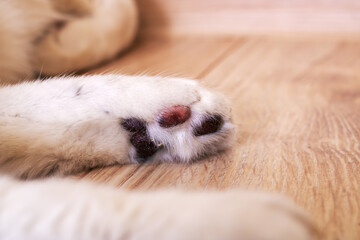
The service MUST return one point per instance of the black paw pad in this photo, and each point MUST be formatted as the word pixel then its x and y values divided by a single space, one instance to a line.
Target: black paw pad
pixel 133 125
pixel 145 147
pixel 210 124
pixel 139 138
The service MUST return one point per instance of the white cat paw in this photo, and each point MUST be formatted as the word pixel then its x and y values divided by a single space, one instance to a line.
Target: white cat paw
pixel 185 122
pixel 106 119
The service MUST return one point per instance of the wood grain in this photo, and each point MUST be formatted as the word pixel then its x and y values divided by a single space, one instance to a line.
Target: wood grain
pixel 297 105
pixel 246 16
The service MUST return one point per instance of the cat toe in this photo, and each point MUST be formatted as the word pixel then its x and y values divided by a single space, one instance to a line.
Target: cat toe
pixel 173 116
pixel 133 125
pixel 181 124
pixel 209 124
pixel 179 114
pixel 144 145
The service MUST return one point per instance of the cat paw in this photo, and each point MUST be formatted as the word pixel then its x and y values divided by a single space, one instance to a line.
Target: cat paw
pixel 89 33
pixel 74 7
pixel 76 123
pixel 248 215
pixel 195 125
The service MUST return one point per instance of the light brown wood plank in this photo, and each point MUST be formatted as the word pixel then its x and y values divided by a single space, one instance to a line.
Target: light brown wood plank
pixel 184 56
pixel 297 105
pixel 246 16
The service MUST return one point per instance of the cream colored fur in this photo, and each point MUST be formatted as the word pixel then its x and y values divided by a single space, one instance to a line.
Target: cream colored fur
pixel 58 209
pixel 67 124
pixel 30 42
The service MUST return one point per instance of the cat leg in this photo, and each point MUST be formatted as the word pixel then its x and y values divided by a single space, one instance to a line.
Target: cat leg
pixel 30 149
pixel 84 42
pixel 62 209
pixel 65 125
pixel 74 7
pixel 23 23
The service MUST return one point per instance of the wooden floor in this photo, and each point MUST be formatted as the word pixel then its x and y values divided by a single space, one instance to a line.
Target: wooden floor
pixel 297 105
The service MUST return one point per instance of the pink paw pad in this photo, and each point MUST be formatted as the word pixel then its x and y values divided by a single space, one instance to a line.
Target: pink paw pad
pixel 173 116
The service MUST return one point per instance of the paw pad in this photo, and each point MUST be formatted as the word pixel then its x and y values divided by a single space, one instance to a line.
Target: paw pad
pixel 210 124
pixel 133 125
pixel 144 145
pixel 173 116
pixel 140 139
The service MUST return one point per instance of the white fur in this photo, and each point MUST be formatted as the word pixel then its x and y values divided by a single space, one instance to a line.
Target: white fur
pixel 77 210
pixel 65 125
